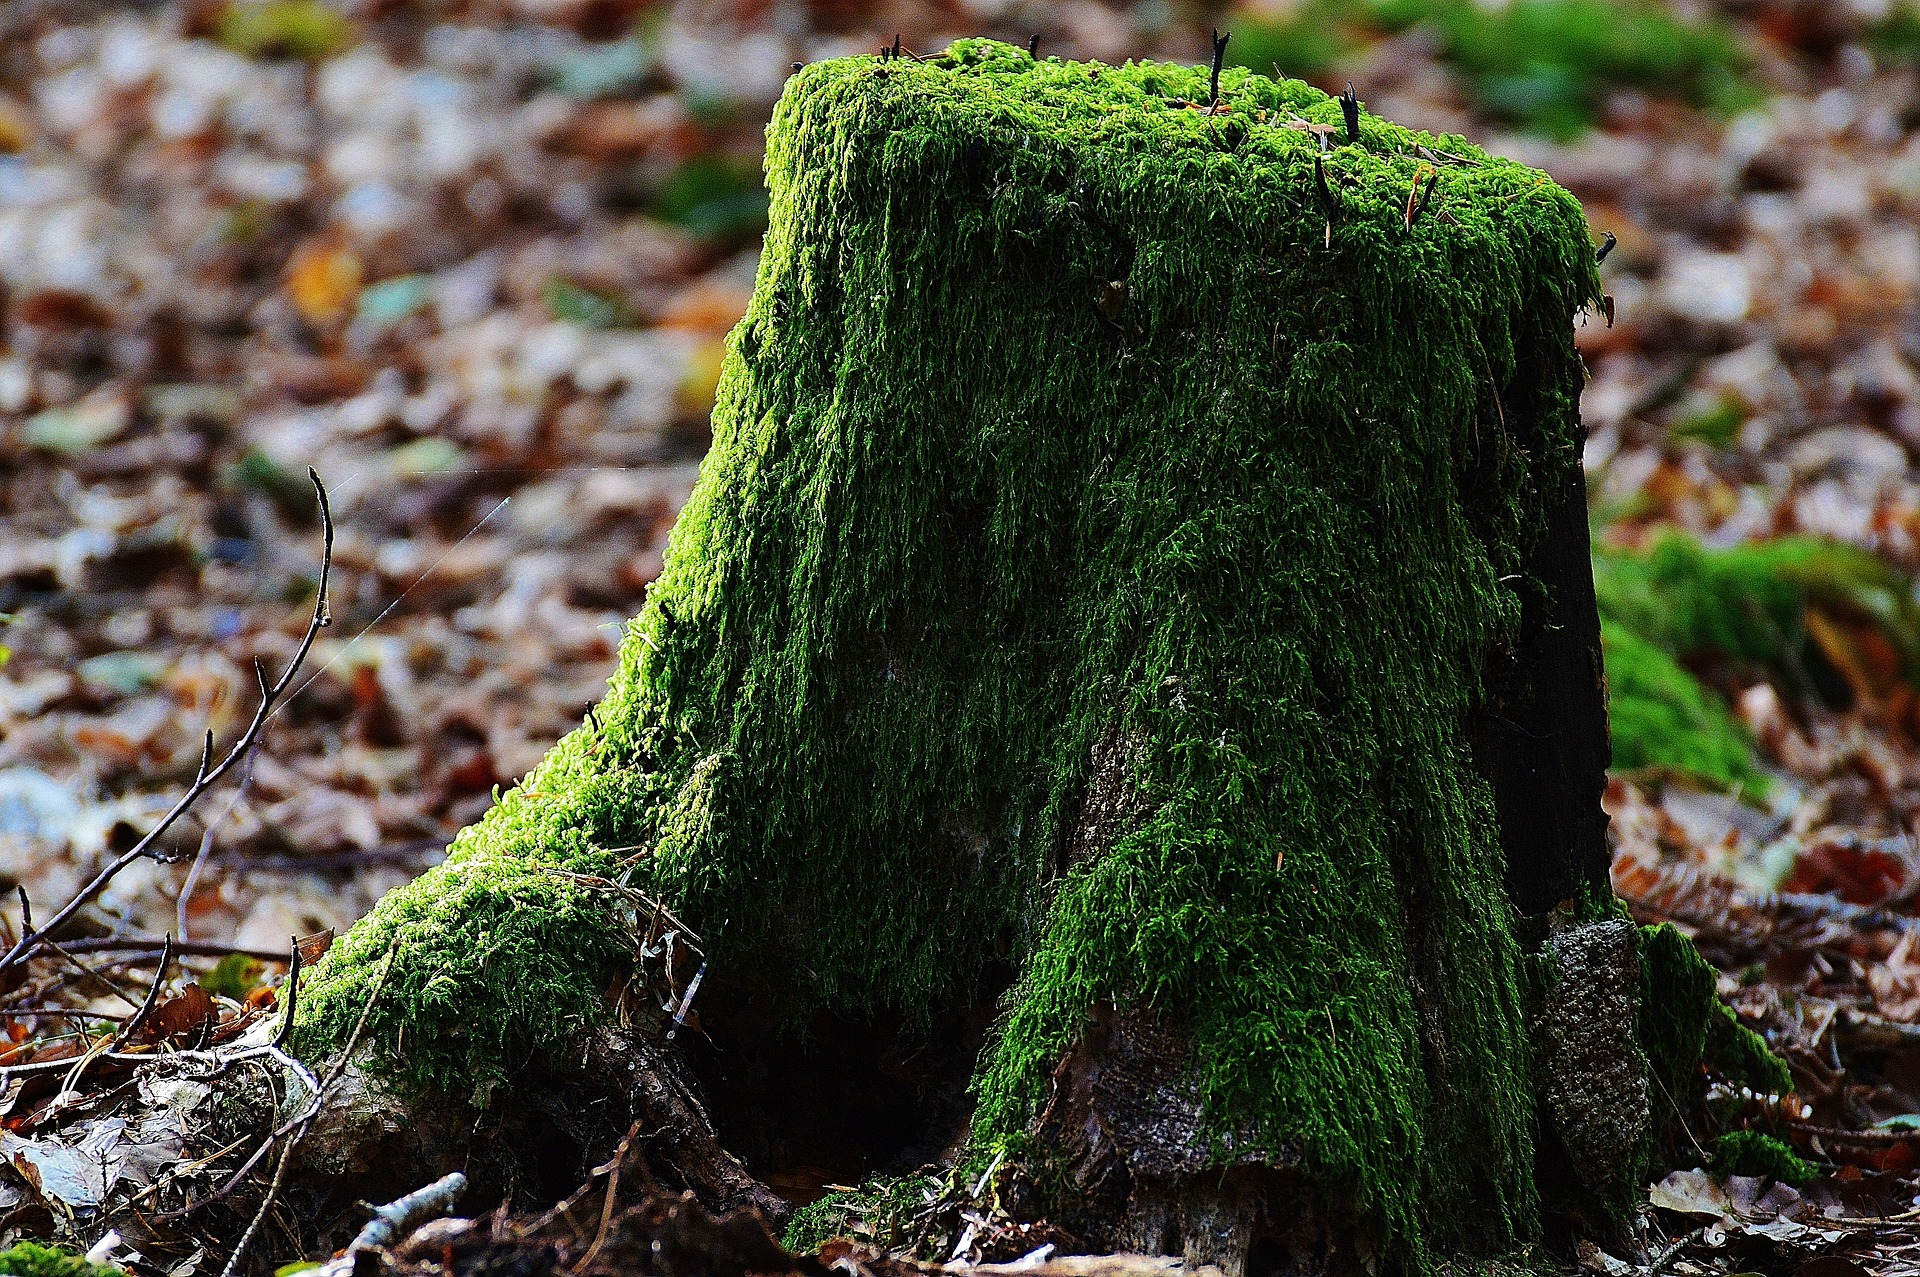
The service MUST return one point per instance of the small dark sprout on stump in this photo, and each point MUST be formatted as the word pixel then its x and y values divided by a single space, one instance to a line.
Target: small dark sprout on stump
pixel 1350 107
pixel 1219 56
pixel 1606 246
pixel 1033 46
pixel 1418 198
pixel 292 987
pixel 799 66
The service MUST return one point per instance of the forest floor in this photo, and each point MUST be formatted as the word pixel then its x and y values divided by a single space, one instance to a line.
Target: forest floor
pixel 474 262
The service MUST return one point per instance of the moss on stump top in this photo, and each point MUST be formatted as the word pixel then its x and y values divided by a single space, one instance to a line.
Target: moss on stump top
pixel 1112 507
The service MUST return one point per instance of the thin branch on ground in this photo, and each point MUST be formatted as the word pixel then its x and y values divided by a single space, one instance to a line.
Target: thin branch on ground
pixel 260 1216
pixel 210 772
pixel 183 948
pixel 132 1026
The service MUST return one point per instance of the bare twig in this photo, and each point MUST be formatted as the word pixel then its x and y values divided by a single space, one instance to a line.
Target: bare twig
pixel 138 945
pixel 1219 57
pixel 1840 1135
pixel 132 1026
pixel 398 1217
pixel 210 773
pixel 66 951
pixel 260 1216
pixel 293 994
pixel 206 843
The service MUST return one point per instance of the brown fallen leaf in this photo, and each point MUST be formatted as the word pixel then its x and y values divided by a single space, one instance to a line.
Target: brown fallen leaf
pixel 183 1013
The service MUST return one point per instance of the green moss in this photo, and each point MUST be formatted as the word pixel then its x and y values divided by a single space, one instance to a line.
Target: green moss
pixel 1740 1055
pixel 234 976
pixel 1896 34
pixel 1740 608
pixel 879 1212
pixel 1677 995
pixel 30 1259
pixel 923 1215
pixel 1073 441
pixel 1523 1261
pixel 1754 1154
pixel 497 951
pixel 1311 41
pixel 1683 1024
pixel 718 197
pixel 1661 716
pixel 1748 603
pixel 587 307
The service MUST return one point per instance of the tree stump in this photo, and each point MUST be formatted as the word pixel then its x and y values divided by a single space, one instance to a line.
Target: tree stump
pixel 1128 669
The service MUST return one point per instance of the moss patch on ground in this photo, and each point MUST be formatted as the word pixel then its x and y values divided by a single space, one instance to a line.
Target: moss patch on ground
pixel 1754 1154
pixel 1082 450
pixel 30 1259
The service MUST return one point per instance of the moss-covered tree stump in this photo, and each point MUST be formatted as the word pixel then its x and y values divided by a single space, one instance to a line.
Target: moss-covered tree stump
pixel 1140 576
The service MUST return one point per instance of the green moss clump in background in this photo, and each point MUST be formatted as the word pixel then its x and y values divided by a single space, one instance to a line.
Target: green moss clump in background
pixel 30 1259
pixel 1753 1154
pixel 588 307
pixel 234 976
pixel 304 30
pixel 1311 42
pixel 1661 716
pixel 1744 608
pixel 1748 603
pixel 1544 64
pixel 717 197
pixel 290 493
pixel 1074 440
pixel 1895 36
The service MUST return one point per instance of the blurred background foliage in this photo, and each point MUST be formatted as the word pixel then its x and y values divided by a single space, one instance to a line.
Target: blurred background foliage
pixel 1542 64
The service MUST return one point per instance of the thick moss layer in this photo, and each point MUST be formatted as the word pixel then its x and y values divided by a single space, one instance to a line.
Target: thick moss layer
pixel 1106 526
pixel 1683 1024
